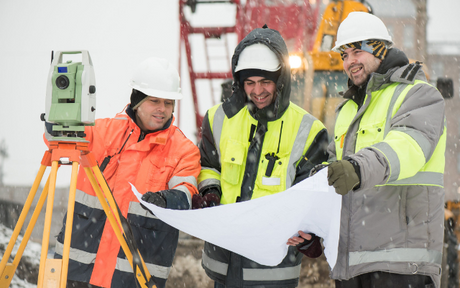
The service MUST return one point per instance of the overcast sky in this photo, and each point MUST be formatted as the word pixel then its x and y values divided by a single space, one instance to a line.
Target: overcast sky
pixel 118 34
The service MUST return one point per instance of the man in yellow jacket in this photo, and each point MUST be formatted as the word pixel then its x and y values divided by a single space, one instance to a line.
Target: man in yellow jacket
pixel 255 144
pixel 142 147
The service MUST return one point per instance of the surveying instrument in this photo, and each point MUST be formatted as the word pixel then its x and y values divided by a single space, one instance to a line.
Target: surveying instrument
pixel 70 106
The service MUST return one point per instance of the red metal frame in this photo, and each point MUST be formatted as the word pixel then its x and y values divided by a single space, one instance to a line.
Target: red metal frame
pixel 296 20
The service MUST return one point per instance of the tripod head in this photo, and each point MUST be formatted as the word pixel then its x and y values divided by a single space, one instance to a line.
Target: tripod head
pixel 70 96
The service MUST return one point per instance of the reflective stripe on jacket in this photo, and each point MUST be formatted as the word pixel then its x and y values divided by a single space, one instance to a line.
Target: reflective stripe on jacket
pixel 162 160
pixel 394 221
pixel 419 165
pixel 288 138
pixel 288 142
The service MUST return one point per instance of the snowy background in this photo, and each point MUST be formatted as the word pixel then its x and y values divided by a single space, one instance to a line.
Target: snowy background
pixel 31 255
pixel 118 34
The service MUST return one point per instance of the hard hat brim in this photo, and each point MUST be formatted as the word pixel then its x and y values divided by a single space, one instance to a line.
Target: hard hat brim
pixel 159 93
pixel 260 67
pixel 337 46
pixel 258 56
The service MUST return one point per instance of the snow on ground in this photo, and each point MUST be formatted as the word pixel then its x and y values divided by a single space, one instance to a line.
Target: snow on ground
pixel 31 255
pixel 19 283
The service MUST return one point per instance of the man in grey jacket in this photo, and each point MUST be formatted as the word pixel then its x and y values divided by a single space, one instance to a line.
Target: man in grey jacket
pixel 387 160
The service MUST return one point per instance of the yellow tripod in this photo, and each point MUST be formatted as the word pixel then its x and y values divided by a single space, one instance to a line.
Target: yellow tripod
pixel 53 272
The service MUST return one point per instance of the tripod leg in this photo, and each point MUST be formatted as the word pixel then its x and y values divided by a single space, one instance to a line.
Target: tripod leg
pixel 115 223
pixel 7 271
pixel 47 226
pixel 68 225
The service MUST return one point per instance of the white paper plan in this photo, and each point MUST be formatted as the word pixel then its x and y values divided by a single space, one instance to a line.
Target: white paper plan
pixel 259 229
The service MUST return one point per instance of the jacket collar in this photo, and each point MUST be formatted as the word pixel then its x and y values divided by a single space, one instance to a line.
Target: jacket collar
pixel 159 136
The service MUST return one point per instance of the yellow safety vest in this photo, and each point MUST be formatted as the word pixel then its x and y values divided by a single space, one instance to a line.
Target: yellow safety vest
pixel 282 139
pixel 374 131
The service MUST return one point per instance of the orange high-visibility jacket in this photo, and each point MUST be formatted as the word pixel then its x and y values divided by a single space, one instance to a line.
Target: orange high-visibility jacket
pixel 162 160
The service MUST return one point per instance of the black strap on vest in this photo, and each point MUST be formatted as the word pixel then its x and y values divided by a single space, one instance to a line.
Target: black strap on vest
pixel 251 134
pixel 107 159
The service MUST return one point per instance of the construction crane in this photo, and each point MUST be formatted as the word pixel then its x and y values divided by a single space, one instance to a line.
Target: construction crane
pixel 296 20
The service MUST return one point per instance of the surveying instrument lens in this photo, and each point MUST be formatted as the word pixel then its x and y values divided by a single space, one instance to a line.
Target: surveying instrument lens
pixel 62 82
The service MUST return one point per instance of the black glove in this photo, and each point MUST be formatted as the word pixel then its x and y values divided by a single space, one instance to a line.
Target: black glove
pixel 210 198
pixel 155 198
pixel 197 201
pixel 311 248
pixel 343 176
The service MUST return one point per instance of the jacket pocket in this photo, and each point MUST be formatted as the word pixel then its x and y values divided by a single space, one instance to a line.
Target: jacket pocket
pixel 274 180
pixel 370 134
pixel 232 162
pixel 339 140
pixel 160 173
pixel 87 227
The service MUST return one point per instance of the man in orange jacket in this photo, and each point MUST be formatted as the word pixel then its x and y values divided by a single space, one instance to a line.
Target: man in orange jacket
pixel 142 147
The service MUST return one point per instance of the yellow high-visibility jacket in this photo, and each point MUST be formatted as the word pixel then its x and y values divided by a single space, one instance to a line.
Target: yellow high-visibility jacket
pixel 250 153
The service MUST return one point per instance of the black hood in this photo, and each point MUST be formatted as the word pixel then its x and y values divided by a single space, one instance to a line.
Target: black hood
pixel 238 100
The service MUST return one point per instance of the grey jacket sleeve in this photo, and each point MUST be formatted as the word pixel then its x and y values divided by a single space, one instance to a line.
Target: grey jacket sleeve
pixel 421 116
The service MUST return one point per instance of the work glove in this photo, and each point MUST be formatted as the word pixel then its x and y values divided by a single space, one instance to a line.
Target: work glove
pixel 311 248
pixel 170 199
pixel 155 198
pixel 210 198
pixel 343 175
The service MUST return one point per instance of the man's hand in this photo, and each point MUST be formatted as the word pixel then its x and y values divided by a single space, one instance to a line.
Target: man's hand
pixel 296 240
pixel 210 198
pixel 307 244
pixel 155 198
pixel 342 175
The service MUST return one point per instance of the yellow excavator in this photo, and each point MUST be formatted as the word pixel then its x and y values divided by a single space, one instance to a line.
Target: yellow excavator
pixel 318 75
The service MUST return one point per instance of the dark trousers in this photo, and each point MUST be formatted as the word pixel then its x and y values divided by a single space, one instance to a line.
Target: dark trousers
pixel 76 284
pixel 385 279
pixel 219 285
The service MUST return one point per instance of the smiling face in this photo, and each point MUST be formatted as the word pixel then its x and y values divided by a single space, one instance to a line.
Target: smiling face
pixel 261 91
pixel 359 64
pixel 153 113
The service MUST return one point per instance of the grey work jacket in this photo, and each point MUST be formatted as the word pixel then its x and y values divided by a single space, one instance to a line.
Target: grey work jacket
pixel 395 227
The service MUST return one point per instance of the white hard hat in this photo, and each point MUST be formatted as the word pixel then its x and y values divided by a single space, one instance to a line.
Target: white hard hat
pixel 258 56
pixel 158 78
pixel 359 26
